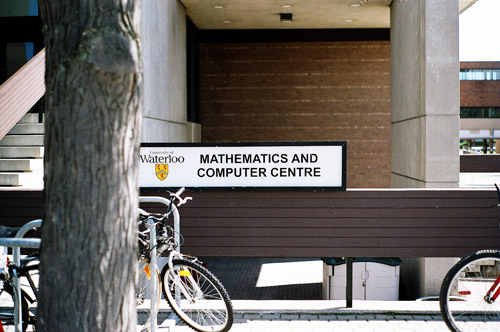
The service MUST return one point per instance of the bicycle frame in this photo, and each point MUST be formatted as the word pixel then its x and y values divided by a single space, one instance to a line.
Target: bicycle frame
pixel 17 243
pixel 152 264
pixel 185 280
pixel 177 279
pixel 492 298
pixel 489 297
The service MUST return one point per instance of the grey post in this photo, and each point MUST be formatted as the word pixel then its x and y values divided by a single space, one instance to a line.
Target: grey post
pixel 152 263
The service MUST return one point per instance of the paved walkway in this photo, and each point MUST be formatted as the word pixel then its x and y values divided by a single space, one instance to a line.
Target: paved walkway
pixel 290 306
pixel 326 316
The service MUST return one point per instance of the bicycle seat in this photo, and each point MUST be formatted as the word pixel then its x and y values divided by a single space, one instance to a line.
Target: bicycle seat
pixel 6 231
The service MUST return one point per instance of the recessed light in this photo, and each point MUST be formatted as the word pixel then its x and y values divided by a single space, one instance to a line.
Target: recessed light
pixel 286 17
pixel 218 7
pixel 286 6
pixel 226 22
pixel 355 5
pixel 348 21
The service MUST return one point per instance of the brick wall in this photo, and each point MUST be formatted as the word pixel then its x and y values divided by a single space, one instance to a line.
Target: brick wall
pixel 302 91
pixel 479 94
pixel 480 65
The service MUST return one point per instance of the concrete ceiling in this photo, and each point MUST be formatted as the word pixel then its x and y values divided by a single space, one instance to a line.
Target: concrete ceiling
pixel 307 14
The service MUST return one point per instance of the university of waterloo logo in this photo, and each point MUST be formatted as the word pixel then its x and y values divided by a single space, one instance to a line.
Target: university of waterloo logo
pixel 161 171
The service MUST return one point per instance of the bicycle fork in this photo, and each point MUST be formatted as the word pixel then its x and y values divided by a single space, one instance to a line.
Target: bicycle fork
pixel 178 282
pixel 492 295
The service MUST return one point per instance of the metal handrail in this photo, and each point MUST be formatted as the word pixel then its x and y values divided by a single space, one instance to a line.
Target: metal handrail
pixel 16 244
pixel 20 243
pixel 175 212
pixel 21 91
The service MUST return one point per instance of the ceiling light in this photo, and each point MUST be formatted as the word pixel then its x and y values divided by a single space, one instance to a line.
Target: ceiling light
pixel 355 5
pixel 348 21
pixel 226 22
pixel 286 6
pixel 286 17
pixel 218 7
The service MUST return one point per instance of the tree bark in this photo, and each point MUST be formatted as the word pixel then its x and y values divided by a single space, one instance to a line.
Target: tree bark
pixel 93 115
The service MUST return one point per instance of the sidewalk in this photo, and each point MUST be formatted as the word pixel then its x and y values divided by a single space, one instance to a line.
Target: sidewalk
pixel 327 316
pixel 272 300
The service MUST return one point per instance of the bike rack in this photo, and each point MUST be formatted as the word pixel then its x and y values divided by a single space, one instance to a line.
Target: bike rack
pixel 16 244
pixel 152 243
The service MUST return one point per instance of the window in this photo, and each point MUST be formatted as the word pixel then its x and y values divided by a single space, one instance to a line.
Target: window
pixel 479 112
pixel 479 74
pixel 19 8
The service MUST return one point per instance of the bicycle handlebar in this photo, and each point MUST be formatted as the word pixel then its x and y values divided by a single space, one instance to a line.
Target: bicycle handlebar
pixel 173 198
pixel 177 196
pixel 180 191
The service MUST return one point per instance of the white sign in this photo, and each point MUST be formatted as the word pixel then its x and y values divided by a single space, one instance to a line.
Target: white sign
pixel 286 165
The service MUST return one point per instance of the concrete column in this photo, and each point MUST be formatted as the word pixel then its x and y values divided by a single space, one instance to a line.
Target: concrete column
pixel 425 96
pixel 163 39
pixel 425 108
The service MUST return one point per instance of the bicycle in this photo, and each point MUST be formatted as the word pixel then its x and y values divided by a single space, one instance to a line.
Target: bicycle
pixel 28 269
pixel 196 296
pixel 470 290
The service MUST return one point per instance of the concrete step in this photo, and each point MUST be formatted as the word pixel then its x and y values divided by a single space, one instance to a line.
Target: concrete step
pixel 28 129
pixel 22 140
pixel 21 152
pixel 20 165
pixel 31 118
pixel 25 179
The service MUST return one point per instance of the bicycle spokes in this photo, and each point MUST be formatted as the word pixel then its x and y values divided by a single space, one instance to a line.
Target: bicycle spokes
pixel 462 289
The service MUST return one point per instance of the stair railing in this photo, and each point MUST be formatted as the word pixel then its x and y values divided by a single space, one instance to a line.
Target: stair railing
pixel 21 91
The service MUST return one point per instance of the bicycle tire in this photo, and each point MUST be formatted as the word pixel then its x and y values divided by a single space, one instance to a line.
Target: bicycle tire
pixel 142 294
pixel 462 300
pixel 212 311
pixel 8 301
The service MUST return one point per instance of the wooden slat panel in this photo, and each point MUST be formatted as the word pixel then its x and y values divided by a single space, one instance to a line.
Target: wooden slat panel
pixel 392 222
pixel 340 232
pixel 331 252
pixel 406 223
pixel 346 242
pixel 480 163
pixel 21 91
pixel 239 222
pixel 20 207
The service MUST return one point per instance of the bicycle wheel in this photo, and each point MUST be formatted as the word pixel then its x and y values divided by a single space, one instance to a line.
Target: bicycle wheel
pixel 7 304
pixel 143 295
pixel 207 306
pixel 465 305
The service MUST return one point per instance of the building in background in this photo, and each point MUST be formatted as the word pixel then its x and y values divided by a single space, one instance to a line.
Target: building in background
pixel 382 76
pixel 372 75
pixel 480 107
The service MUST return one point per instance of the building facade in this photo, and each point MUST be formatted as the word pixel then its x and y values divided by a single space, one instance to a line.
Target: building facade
pixel 382 77
pixel 317 86
pixel 480 106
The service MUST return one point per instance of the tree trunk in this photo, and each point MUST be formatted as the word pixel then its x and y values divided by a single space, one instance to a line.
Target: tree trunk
pixel 93 115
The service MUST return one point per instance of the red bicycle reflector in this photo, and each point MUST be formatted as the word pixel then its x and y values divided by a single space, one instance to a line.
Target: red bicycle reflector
pixel 464 292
